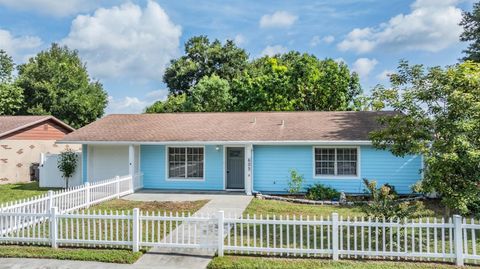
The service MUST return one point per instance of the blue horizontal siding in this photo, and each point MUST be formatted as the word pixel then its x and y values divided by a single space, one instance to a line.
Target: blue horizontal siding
pixel 153 166
pixel 272 165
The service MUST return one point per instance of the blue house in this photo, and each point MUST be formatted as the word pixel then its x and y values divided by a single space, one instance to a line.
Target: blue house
pixel 242 151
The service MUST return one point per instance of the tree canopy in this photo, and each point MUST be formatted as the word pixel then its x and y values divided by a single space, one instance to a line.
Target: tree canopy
pixel 204 58
pixel 11 96
pixel 212 76
pixel 56 82
pixel 439 112
pixel 471 33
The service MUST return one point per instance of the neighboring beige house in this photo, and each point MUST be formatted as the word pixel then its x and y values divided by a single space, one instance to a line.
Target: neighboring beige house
pixel 22 141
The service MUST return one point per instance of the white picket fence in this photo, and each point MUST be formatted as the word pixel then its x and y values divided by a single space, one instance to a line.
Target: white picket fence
pixel 451 240
pixel 68 200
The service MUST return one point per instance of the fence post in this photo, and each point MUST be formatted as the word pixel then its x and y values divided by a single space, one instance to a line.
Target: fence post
pixel 335 236
pixel 457 224
pixel 117 179
pixel 50 201
pixel 53 227
pixel 132 183
pixel 136 229
pixel 221 231
pixel 87 194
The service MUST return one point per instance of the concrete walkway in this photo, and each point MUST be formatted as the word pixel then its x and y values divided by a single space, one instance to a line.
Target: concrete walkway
pixel 233 204
pixel 155 258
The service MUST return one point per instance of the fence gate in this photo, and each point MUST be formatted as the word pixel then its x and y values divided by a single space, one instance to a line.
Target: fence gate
pixel 182 231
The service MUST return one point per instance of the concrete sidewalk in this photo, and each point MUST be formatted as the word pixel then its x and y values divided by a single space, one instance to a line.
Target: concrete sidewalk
pixel 160 258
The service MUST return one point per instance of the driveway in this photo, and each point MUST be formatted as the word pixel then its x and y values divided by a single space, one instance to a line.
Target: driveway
pixel 233 204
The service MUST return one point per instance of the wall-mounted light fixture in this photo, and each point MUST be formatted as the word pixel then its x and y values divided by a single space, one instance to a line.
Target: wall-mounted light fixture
pixel 217 148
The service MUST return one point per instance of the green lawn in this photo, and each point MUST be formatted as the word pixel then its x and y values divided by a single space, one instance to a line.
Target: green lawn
pixel 12 192
pixel 240 262
pixel 100 254
pixel 273 207
pixel 152 206
pixel 81 254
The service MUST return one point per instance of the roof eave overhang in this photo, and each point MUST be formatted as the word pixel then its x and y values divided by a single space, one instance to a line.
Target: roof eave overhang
pixel 287 142
pixel 47 118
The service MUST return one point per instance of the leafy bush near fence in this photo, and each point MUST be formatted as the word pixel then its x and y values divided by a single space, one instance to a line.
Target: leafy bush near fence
pixel 321 192
pixel 386 204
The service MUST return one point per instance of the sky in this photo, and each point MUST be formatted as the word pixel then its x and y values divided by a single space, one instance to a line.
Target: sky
pixel 127 45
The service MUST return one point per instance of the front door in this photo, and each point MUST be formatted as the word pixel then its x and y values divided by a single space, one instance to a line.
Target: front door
pixel 235 168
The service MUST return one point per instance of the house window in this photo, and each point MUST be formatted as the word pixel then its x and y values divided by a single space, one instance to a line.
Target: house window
pixel 185 162
pixel 336 162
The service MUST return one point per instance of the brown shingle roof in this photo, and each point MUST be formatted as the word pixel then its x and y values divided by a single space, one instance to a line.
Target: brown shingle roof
pixel 235 126
pixel 9 124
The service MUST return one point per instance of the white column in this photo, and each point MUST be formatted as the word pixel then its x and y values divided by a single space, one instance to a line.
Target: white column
pixel 248 168
pixel 131 166
pixel 131 160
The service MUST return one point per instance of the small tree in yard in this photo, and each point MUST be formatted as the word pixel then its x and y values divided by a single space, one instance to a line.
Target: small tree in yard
pixel 67 163
pixel 295 182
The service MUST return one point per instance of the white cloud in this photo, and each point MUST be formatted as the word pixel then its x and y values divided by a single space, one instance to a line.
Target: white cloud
pixel 432 25
pixel 18 46
pixel 316 40
pixel 328 39
pixel 272 50
pixel 126 41
pixel 130 104
pixel 363 66
pixel 279 19
pixel 384 76
pixel 239 39
pixel 57 8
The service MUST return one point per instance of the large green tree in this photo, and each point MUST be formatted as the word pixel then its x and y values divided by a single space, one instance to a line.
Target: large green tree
pixel 56 82
pixel 295 81
pixel 11 96
pixel 439 112
pixel 211 94
pixel 204 58
pixel 223 78
pixel 471 33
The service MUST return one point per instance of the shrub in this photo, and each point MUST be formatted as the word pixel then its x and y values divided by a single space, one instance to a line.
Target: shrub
pixel 67 164
pixel 295 182
pixel 385 203
pixel 321 192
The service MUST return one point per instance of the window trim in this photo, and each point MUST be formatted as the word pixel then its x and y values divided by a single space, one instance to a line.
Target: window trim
pixel 316 176
pixel 167 164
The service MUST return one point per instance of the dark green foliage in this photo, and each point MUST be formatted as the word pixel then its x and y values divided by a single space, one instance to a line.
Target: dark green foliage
pixel 56 82
pixel 11 96
pixel 285 82
pixel 204 58
pixel 471 33
pixel 385 203
pixel 438 117
pixel 321 192
pixel 295 82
